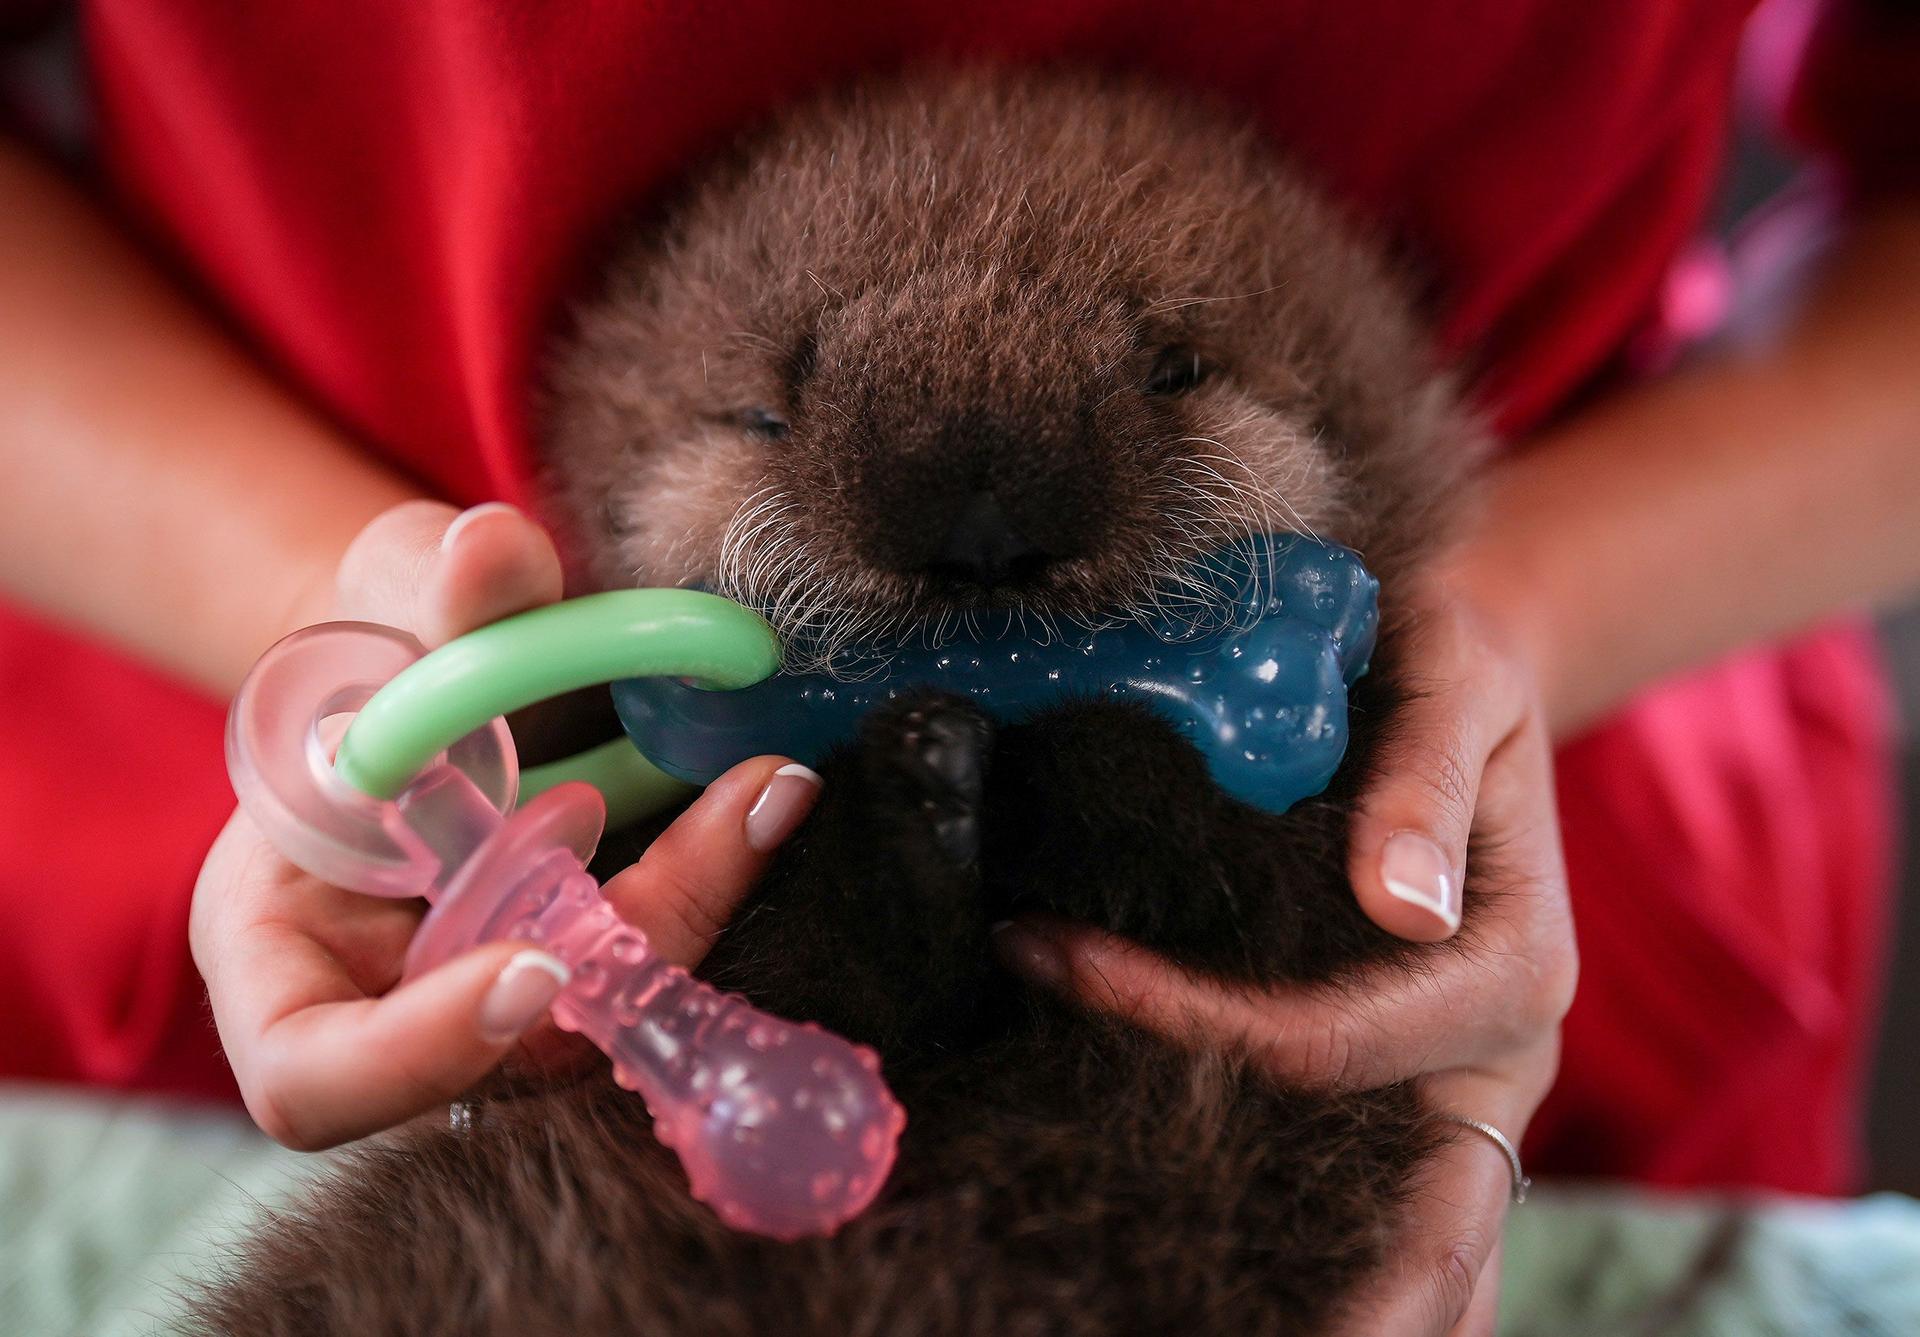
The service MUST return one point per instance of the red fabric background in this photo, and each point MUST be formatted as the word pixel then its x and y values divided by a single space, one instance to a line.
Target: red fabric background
pixel 389 199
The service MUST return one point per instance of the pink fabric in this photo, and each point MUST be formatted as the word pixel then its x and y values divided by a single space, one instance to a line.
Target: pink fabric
pixel 1730 925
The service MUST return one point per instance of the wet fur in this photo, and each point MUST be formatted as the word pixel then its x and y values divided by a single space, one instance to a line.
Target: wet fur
pixel 1061 1173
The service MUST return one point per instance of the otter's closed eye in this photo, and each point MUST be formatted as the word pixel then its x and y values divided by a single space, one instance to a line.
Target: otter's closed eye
pixel 765 424
pixel 1176 370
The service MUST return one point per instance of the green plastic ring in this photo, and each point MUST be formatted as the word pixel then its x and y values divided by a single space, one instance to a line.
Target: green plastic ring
pixel 632 786
pixel 448 693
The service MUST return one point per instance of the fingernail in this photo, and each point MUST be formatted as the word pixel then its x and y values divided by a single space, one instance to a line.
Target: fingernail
pixel 468 516
pixel 520 994
pixel 1031 954
pixel 781 806
pixel 1417 871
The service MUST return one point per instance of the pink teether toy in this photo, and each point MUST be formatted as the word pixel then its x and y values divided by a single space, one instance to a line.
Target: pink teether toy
pixel 783 1129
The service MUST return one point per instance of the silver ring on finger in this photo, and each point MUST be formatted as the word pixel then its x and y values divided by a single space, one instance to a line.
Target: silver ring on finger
pixel 1521 1183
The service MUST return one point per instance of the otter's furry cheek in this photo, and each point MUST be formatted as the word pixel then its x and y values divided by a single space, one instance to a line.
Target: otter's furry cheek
pixel 1252 469
pixel 672 508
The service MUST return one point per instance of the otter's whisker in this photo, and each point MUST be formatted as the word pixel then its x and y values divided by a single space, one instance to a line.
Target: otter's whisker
pixel 1181 303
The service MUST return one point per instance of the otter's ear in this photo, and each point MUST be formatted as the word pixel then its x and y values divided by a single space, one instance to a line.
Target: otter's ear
pixel 1176 369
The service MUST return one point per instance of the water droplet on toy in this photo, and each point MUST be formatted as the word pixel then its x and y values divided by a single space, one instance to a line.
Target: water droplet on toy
pixel 626 1012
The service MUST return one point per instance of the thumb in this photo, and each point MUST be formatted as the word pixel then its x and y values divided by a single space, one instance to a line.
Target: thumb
pixel 435 572
pixel 1407 844
pixel 1407 850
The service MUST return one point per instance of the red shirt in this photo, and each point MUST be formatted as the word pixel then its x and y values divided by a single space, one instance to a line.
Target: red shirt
pixel 389 199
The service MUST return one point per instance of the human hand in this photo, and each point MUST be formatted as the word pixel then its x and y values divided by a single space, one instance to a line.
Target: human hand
pixel 1478 1025
pixel 304 977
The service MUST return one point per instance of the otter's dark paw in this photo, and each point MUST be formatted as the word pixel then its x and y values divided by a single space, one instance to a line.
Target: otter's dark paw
pixel 870 919
pixel 928 755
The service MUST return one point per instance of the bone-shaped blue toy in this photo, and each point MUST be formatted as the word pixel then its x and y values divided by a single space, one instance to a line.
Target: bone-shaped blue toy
pixel 1263 695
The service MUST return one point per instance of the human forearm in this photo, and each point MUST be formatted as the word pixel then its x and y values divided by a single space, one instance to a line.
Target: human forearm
pixel 1734 501
pixel 156 488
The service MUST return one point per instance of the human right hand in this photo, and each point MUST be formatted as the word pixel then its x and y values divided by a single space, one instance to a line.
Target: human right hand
pixel 326 1041
pixel 1477 1025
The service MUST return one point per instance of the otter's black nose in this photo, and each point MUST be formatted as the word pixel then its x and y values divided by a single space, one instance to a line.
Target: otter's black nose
pixel 985 547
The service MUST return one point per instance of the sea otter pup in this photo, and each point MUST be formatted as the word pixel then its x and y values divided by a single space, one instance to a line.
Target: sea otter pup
pixel 914 357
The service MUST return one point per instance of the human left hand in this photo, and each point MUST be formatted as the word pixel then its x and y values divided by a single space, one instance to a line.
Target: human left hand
pixel 328 1039
pixel 1479 1027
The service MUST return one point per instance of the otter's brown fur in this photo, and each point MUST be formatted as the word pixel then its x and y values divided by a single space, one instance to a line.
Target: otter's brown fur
pixel 938 286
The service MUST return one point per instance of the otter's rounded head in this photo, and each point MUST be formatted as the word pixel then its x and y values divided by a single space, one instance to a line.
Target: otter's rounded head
pixel 986 346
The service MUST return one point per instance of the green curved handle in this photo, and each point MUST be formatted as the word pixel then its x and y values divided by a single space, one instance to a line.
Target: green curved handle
pixel 632 786
pixel 448 693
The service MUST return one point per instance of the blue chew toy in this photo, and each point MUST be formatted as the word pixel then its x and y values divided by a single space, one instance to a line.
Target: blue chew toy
pixel 1264 698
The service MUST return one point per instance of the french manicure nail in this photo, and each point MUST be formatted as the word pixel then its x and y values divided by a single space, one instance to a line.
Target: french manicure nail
pixel 468 516
pixel 1029 953
pixel 1417 871
pixel 520 994
pixel 781 806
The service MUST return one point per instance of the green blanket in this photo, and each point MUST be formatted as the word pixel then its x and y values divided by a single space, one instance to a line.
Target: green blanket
pixel 110 1209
